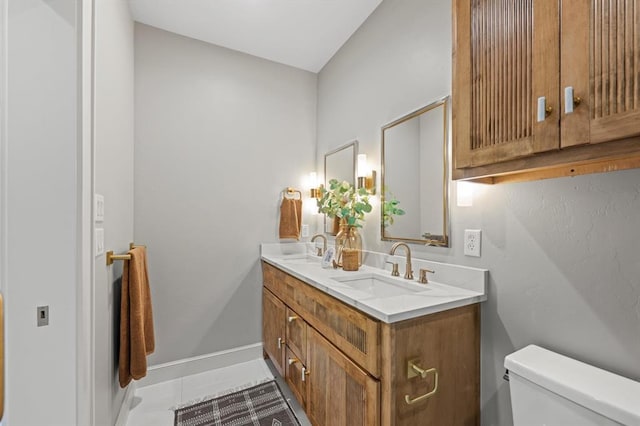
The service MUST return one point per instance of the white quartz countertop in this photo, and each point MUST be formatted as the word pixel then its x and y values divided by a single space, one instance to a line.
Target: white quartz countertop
pixel 451 286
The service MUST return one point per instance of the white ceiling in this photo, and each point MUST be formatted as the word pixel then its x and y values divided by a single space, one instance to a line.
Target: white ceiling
pixel 301 33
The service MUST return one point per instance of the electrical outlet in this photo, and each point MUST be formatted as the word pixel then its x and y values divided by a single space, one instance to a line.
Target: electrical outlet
pixel 472 242
pixel 305 230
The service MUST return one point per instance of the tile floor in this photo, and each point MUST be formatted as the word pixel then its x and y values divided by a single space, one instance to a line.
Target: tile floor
pixel 152 405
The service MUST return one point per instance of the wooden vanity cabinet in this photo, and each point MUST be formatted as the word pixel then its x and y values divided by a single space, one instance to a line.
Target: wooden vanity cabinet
pixel 348 369
pixel 509 54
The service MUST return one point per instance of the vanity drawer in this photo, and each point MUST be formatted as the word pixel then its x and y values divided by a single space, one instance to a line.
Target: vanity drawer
pixel 353 332
pixel 297 334
pixel 296 376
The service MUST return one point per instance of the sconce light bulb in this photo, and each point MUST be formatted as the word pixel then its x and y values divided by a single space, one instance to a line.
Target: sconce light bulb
pixel 362 165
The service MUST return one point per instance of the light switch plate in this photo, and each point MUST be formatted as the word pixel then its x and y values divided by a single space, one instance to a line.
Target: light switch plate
pixel 99 208
pixel 99 241
pixel 305 230
pixel 472 242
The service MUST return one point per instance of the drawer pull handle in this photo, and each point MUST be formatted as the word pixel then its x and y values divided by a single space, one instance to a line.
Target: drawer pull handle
pixel 305 373
pixel 413 371
pixel 292 318
pixel 280 342
pixel 293 360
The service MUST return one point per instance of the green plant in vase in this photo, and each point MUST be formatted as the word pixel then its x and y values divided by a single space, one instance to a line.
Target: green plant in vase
pixel 349 204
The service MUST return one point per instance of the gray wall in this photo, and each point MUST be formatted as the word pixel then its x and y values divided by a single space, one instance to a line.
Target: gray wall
pixel 113 174
pixel 219 135
pixel 40 202
pixel 562 253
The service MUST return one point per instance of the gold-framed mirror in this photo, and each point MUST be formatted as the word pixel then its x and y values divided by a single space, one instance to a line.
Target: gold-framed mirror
pixel 340 164
pixel 415 176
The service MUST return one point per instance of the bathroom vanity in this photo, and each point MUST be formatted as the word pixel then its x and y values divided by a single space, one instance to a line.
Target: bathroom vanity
pixel 365 348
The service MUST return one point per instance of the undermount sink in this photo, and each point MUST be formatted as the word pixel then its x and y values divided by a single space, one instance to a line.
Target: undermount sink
pixel 301 260
pixel 379 285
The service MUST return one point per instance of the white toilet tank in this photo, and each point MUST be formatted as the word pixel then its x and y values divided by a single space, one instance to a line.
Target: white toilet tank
pixel 553 390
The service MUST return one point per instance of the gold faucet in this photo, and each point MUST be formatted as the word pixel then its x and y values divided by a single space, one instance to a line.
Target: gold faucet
pixel 322 250
pixel 408 273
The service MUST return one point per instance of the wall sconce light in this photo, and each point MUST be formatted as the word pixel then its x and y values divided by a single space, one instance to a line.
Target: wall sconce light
pixel 313 185
pixel 464 194
pixel 366 176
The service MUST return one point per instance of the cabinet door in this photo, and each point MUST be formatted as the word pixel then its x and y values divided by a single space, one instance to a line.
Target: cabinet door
pixel 502 65
pixel 273 329
pixel 339 392
pixel 297 335
pixel 600 47
pixel 296 377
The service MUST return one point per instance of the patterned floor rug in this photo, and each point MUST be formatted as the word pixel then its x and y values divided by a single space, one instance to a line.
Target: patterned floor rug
pixel 261 405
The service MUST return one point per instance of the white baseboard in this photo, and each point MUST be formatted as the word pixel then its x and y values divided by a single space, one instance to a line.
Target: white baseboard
pixel 123 414
pixel 200 364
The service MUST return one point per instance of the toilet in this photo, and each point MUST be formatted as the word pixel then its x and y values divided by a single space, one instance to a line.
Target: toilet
pixel 553 390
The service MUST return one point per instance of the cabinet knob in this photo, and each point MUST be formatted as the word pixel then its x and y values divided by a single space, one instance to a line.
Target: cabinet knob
pixel 543 110
pixel 570 101
pixel 292 318
pixel 280 342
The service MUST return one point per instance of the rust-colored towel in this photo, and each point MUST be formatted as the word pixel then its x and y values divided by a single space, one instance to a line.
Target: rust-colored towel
pixel 290 218
pixel 136 319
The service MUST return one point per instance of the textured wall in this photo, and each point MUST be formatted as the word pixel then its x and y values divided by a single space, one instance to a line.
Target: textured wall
pixel 219 135
pixel 562 253
pixel 113 171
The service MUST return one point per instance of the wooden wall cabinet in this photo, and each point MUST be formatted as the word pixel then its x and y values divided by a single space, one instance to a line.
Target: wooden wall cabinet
pixel 582 57
pixel 347 369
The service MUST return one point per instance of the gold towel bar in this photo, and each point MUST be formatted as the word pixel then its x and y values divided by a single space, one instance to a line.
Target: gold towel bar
pixel 111 257
pixel 292 191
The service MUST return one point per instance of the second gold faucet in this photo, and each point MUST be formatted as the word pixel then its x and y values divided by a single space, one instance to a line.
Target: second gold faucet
pixel 408 273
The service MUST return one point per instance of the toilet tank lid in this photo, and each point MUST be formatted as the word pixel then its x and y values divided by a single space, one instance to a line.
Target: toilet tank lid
pixel 613 396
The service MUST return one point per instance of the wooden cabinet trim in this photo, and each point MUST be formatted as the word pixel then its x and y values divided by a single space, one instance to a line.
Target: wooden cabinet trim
pixel 598 158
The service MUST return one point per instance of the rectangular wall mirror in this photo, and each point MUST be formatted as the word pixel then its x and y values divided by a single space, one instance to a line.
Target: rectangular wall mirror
pixel 340 164
pixel 415 176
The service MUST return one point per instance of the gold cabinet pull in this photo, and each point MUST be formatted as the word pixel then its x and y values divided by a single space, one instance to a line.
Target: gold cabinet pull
pixel 293 360
pixel 544 110
pixel 281 342
pixel 292 318
pixel 570 100
pixel 305 373
pixel 413 370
